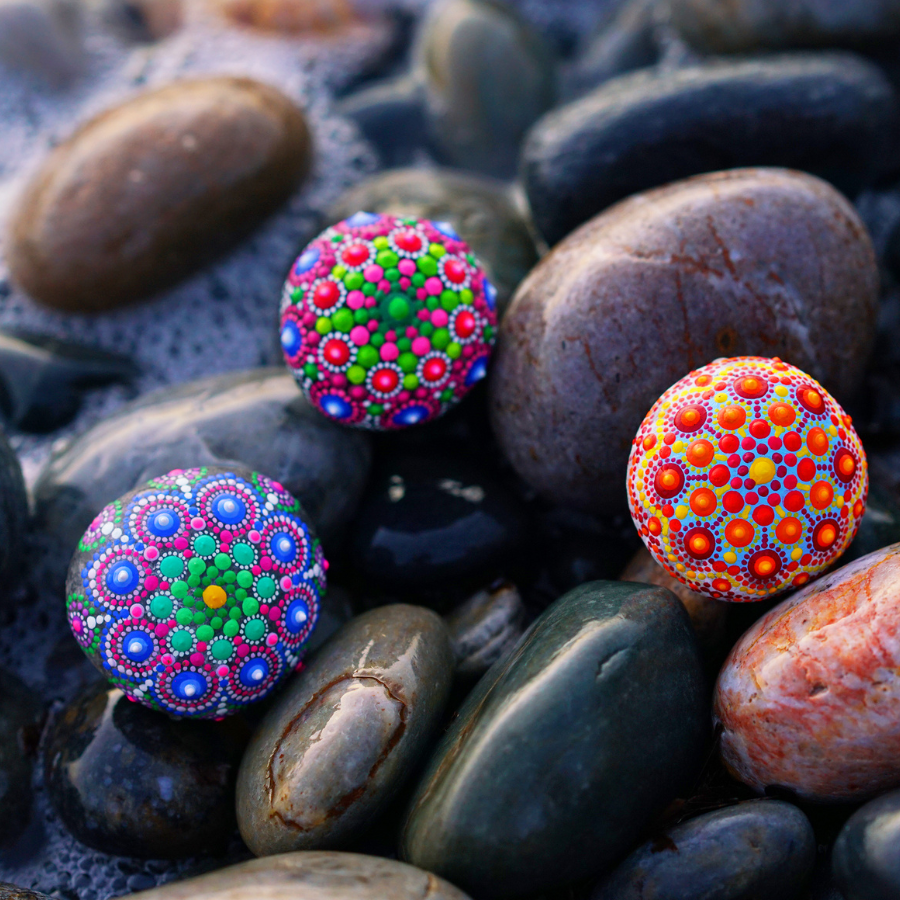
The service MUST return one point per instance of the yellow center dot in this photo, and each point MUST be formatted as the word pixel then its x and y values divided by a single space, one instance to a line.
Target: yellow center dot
pixel 762 470
pixel 214 596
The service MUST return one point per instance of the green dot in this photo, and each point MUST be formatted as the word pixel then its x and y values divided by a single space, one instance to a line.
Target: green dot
pixel 427 265
pixel 381 242
pixel 440 338
pixel 189 601
pixel 410 382
pixel 418 280
pixel 179 589
pixel 231 628
pixel 356 374
pixel 205 633
pixel 310 370
pixel 196 566
pixel 240 594
pixel 376 409
pixel 354 281
pixel 222 561
pixel 367 357
pixel 234 613
pixel 488 332
pixel 449 300
pixel 184 617
pixel 343 320
pixel 323 325
pixel 182 641
pixel 447 395
pixel 361 316
pixel 432 303
pixel 339 272
pixel 427 329
pixel 199 618
pixel 244 579
pixel 172 566
pixel 408 362
pixel 265 587
pixel 211 573
pixel 454 350
pixel 437 250
pixel 193 580
pixel 250 606
pixel 377 339
pixel 161 607
pixel 369 289
pixel 204 545
pixel 398 308
pixel 466 295
pixel 221 649
pixel 255 630
pixel 392 275
pixel 404 344
pixel 230 576
pixel 387 259
pixel 244 554
pixel 215 622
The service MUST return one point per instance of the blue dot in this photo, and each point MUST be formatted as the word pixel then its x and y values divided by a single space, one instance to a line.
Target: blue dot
pixel 137 646
pixel 254 672
pixel 284 547
pixel 477 371
pixel 307 259
pixel 336 407
pixel 412 415
pixel 490 293
pixel 297 616
pixel 123 577
pixel 189 685
pixel 164 523
pixel 446 229
pixel 229 509
pixel 291 342
pixel 362 218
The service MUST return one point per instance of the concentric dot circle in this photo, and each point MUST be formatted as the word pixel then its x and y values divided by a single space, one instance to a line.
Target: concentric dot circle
pixel 746 479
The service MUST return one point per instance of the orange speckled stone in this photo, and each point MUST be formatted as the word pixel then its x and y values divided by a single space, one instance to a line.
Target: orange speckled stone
pixel 809 698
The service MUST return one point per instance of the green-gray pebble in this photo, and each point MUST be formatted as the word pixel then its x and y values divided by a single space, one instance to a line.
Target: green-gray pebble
pixel 563 753
pixel 346 731
pixel 311 876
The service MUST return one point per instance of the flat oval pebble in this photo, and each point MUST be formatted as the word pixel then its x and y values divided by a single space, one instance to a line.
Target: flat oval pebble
pixel 829 114
pixel 866 854
pixel 479 208
pixel 131 781
pixel 746 262
pixel 43 37
pixel 255 417
pixel 564 751
pixel 743 25
pixel 148 191
pixel 312 875
pixel 761 848
pixel 346 732
pixel 806 699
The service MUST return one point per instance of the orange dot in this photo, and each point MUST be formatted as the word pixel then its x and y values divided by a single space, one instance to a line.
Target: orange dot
pixel 703 380
pixel 653 526
pixel 649 442
pixel 700 453
pixel 699 544
pixel 821 494
pixel 817 441
pixel 691 417
pixel 788 530
pixel 739 532
pixel 703 501
pixel 731 417
pixel 857 508
pixel 782 415
pixel 720 584
pixel 765 565
pixel 214 597
pixel 827 535
pixel 847 466
pixel 800 580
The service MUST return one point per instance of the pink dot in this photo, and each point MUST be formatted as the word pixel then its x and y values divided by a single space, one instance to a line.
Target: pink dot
pixel 407 267
pixel 163 585
pixel 161 630
pixel 286 583
pixel 151 582
pixel 313 338
pixel 359 335
pixel 384 285
pixel 176 472
pixel 226 537
pixel 373 273
pixel 411 331
pixel 136 611
pixel 403 396
pixel 405 283
pixel 167 660
pixel 421 393
pixel 372 325
pixel 468 350
pixel 274 614
pixel 272 640
pixel 181 543
pixel 358 392
pixel 188 554
pixel 151 553
pixel 390 335
pixel 325 564
pixel 309 319
pixel 243 650
pixel 264 608
pixel 439 318
pixel 434 286
pixel 421 345
pixel 254 536
pixel 389 352
pixel 338 380
pixel 197 523
pixel 423 315
pixel 370 302
pixel 421 293
pixel 256 570
pixel 77 626
pixel 197 658
pixel 356 299
pixel 222 671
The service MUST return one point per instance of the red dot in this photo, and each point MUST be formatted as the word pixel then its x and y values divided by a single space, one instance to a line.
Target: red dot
pixel 455 271
pixel 464 325
pixel 759 428
pixel 729 443
pixel 355 254
pixel 733 502
pixel 806 470
pixel 434 369
pixel 719 475
pixel 794 500
pixel 336 352
pixel 408 241
pixel 326 294
pixel 385 380
pixel 793 441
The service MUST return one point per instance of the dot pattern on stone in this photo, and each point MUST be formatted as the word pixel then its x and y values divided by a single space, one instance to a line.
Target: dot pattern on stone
pixel 746 479
pixel 196 593
pixel 387 322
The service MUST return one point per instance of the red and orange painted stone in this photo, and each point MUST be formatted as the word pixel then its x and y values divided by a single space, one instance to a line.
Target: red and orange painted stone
pixel 809 697
pixel 746 479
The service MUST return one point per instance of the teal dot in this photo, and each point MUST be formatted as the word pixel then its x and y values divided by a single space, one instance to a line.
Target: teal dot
pixel 244 579
pixel 182 640
pixel 205 633
pixel 243 554
pixel 255 630
pixel 265 587
pixel 221 649
pixel 161 607
pixel 250 606
pixel 204 545
pixel 184 617
pixel 172 566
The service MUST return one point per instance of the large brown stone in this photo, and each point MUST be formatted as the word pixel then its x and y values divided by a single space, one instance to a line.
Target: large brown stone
pixel 148 191
pixel 766 262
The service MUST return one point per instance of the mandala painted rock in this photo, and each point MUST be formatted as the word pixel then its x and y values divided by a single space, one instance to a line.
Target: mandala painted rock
pixel 196 593
pixel 387 322
pixel 746 479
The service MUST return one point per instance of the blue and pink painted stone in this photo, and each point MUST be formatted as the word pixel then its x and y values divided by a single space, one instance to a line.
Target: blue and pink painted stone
pixel 387 322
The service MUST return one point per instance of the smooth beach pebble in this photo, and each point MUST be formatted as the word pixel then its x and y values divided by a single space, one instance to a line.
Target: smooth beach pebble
pixel 346 732
pixel 828 114
pixel 196 593
pixel 131 781
pixel 312 876
pixel 807 700
pixel 43 37
pixel 146 192
pixel 11 892
pixel 746 262
pixel 565 750
pixel 761 848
